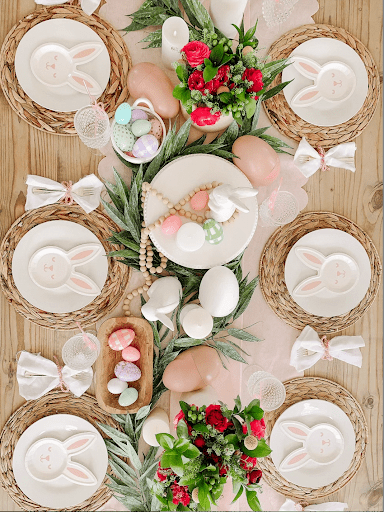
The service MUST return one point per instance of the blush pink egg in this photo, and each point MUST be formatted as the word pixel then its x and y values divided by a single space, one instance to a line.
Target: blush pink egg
pixel 200 200
pixel 171 225
pixel 131 354
pixel 156 128
pixel 121 338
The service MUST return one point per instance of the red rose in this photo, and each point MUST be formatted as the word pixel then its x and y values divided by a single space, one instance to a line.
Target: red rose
pixel 216 459
pixel 254 476
pixel 222 76
pixel 162 473
pixel 247 462
pixel 180 495
pixel 178 417
pixel 223 471
pixel 199 442
pixel 257 428
pixel 202 116
pixel 214 416
pixel 196 52
pixel 255 76
pixel 196 81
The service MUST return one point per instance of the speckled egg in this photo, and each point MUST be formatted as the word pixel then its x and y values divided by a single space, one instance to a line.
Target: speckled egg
pixel 121 338
pixel 213 231
pixel 156 129
pixel 127 372
pixel 140 127
pixel 128 397
pixel 131 354
pixel 171 225
pixel 123 114
pixel 123 137
pixel 116 386
pixel 200 200
pixel 137 113
pixel 145 147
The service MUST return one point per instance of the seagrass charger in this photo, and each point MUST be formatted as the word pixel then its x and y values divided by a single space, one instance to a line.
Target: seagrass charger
pixel 61 123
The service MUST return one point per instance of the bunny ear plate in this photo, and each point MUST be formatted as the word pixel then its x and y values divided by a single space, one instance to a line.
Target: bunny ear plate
pixel 306 97
pixel 309 287
pixel 79 474
pixel 85 52
pixel 83 253
pixel 306 67
pixel 310 257
pixel 79 443
pixel 79 81
pixel 295 430
pixel 295 460
pixel 82 284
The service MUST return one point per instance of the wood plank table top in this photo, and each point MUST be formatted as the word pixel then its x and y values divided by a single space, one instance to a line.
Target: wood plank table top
pixel 358 196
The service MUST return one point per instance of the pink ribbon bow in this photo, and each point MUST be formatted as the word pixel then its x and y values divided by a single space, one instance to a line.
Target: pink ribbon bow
pixel 324 166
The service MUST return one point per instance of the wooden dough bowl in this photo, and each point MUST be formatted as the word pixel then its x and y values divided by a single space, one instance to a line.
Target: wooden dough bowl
pixel 108 358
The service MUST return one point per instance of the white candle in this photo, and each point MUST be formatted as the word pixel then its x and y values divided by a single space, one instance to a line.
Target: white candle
pixel 226 12
pixel 190 237
pixel 197 323
pixel 156 423
pixel 175 35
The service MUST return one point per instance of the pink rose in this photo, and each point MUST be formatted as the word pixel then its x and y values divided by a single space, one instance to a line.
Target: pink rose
pixel 257 428
pixel 255 76
pixel 196 81
pixel 222 77
pixel 202 116
pixel 247 463
pixel 196 52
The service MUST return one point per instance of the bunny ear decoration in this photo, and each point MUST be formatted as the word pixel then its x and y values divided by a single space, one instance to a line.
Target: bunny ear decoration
pixel 79 474
pixel 83 253
pixel 309 286
pixel 245 192
pixel 82 284
pixel 310 257
pixel 307 96
pixel 306 67
pixel 296 459
pixel 79 81
pixel 79 442
pixel 239 204
pixel 164 319
pixel 295 430
pixel 85 52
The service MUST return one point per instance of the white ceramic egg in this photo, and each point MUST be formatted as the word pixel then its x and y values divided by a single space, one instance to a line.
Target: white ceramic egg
pixel 219 291
pixel 116 386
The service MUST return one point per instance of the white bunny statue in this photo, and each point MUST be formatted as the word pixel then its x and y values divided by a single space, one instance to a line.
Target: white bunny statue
pixel 322 444
pixel 337 272
pixel 52 267
pixel 164 296
pixel 55 65
pixel 224 200
pixel 334 81
pixel 50 458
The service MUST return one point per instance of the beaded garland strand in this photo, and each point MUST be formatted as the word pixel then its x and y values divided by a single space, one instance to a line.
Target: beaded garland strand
pixel 146 249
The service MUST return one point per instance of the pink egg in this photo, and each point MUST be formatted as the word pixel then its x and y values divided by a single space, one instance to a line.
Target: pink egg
pixel 121 338
pixel 137 113
pixel 156 129
pixel 200 200
pixel 131 354
pixel 171 225
pixel 127 372
pixel 145 147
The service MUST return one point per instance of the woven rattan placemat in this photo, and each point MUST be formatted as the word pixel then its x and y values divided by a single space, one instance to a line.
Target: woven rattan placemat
pixel 286 121
pixel 54 402
pixel 113 290
pixel 272 265
pixel 61 123
pixel 305 388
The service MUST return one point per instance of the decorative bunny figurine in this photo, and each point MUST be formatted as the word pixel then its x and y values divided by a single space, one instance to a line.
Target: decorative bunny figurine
pixel 164 297
pixel 322 444
pixel 337 272
pixel 49 459
pixel 224 200
pixel 55 65
pixel 334 81
pixel 52 267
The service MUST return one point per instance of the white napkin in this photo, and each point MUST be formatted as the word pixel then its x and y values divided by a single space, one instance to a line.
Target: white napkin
pixel 339 156
pixel 345 348
pixel 334 506
pixel 88 6
pixel 37 375
pixel 88 203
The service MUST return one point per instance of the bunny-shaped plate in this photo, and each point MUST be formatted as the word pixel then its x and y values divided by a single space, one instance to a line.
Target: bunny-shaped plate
pixel 60 461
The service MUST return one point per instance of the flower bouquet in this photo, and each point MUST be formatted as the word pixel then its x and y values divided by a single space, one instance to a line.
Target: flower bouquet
pixel 213 444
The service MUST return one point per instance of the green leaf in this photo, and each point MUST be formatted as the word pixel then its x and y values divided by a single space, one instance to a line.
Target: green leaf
pixel 143 412
pixel 226 59
pixel 134 458
pixel 199 14
pixel 182 93
pixel 165 440
pixel 250 33
pixel 209 73
pixel 238 428
pixel 188 342
pixel 200 427
pixel 256 115
pixel 121 473
pixel 253 500
pixel 123 253
pixel 232 439
pixel 239 493
pixel 181 445
pixel 113 433
pixel 115 215
pixel 217 55
pixel 192 452
pixel 181 72
pixel 173 461
pixel 240 334
pixel 245 299
pixel 182 430
pixel 262 449
pixel 154 39
pixel 229 351
pixel 275 90
pixel 225 97
pixel 181 138
pixel 250 107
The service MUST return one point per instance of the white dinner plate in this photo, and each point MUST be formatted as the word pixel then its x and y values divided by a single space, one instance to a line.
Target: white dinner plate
pixel 326 112
pixel 311 413
pixel 176 180
pixel 326 303
pixel 60 493
pixel 67 33
pixel 66 235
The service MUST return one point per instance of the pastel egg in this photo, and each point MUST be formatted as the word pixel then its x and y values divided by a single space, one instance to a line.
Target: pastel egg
pixel 140 127
pixel 123 137
pixel 145 147
pixel 213 231
pixel 128 397
pixel 131 354
pixel 137 113
pixel 116 386
pixel 200 200
pixel 127 372
pixel 121 338
pixel 171 225
pixel 156 128
pixel 123 114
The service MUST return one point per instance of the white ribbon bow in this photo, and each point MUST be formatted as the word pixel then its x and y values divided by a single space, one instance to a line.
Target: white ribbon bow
pixel 88 6
pixel 334 506
pixel 309 348
pixel 65 192
pixel 308 160
pixel 37 375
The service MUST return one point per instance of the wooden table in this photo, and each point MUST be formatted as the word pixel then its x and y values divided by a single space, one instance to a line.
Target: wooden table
pixel 358 196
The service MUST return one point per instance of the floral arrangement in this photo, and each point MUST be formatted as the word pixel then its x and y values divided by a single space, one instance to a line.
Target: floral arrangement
pixel 213 444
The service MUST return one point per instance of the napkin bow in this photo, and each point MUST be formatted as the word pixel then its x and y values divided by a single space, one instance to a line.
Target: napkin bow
pixel 309 348
pixel 65 192
pixel 37 375
pixel 309 160
pixel 334 506
pixel 88 6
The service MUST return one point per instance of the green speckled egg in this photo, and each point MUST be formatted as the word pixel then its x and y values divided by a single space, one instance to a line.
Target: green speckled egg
pixel 128 397
pixel 141 127
pixel 213 231
pixel 123 137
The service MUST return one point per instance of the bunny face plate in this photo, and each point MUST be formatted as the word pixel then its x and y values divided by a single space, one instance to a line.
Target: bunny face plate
pixel 60 461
